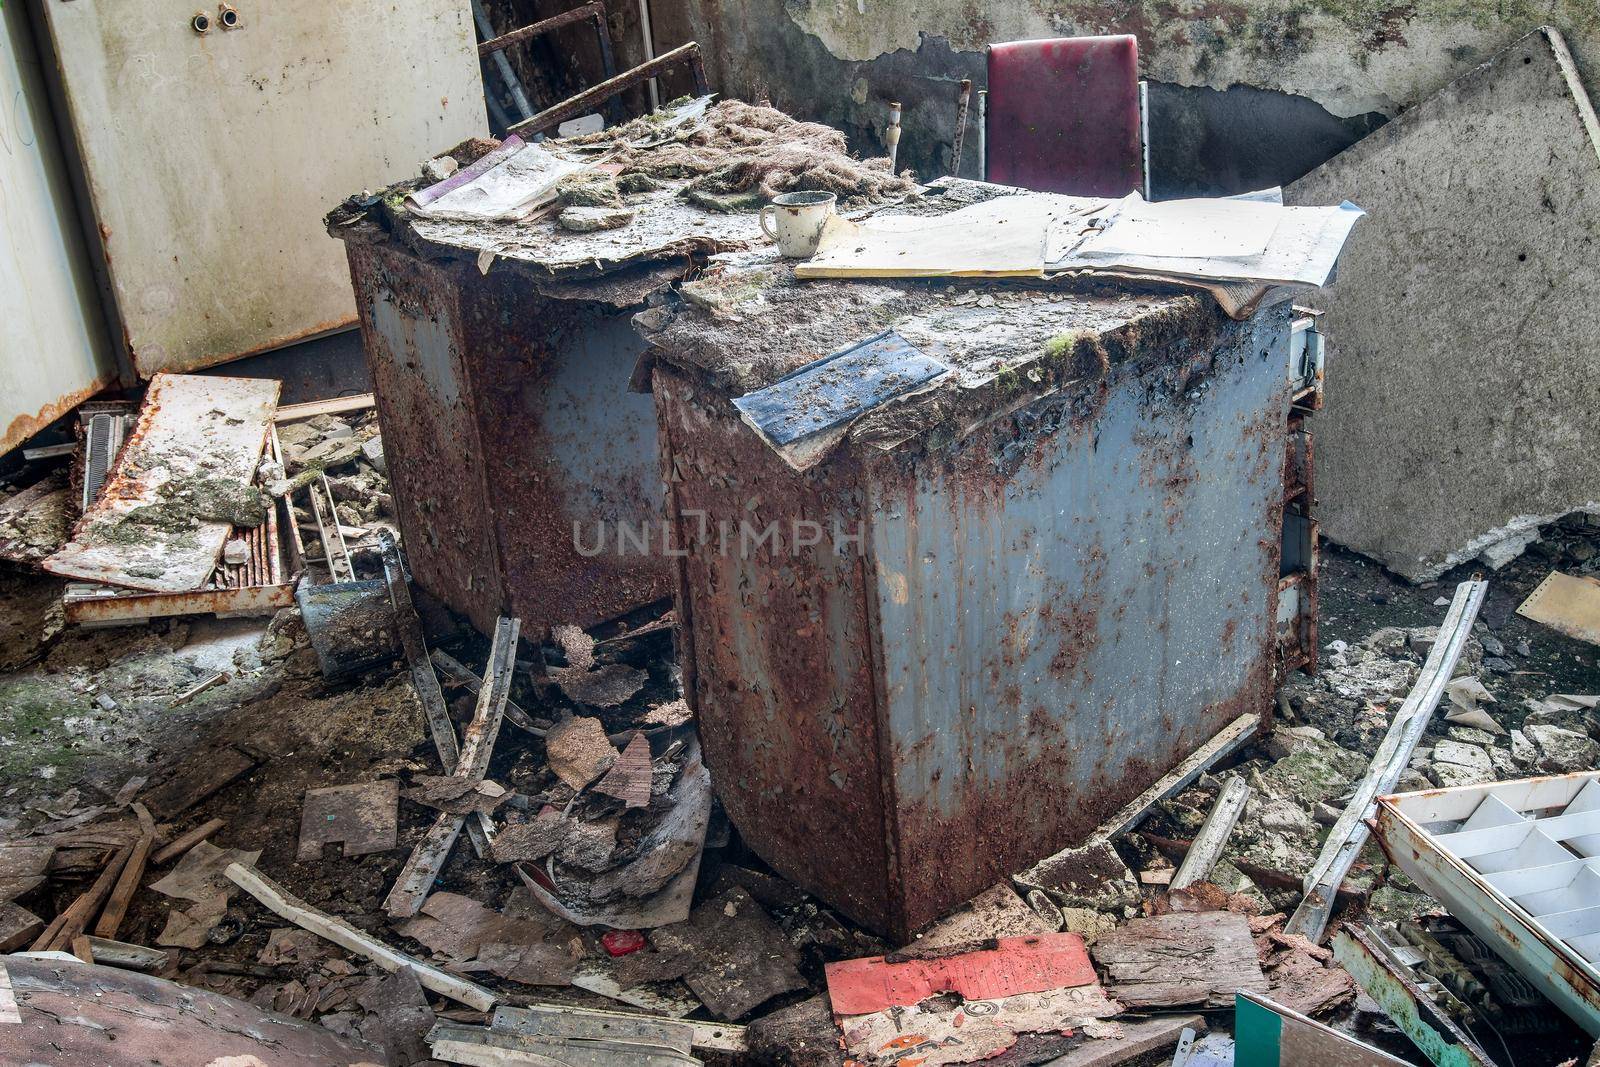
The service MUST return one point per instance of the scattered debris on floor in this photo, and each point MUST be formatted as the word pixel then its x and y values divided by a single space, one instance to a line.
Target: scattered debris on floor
pixel 270 801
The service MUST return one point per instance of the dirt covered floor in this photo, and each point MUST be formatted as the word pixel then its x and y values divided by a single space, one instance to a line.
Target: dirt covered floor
pixel 97 746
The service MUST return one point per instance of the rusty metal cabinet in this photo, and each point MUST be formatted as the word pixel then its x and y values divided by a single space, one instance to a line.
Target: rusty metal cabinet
pixel 1038 604
pixel 510 433
pixel 212 138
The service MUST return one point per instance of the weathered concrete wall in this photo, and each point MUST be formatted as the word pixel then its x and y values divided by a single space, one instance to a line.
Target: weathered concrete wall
pixel 1463 321
pixel 1252 91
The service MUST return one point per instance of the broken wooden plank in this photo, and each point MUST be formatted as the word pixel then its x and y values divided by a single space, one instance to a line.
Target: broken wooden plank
pixel 201 777
pixel 422 868
pixel 77 916
pixel 415 646
pixel 1344 841
pixel 184 843
pixel 18 926
pixel 216 679
pixel 122 895
pixel 89 1014
pixel 1139 1038
pixel 705 1036
pixel 274 898
pixel 416 878
pixel 1213 835
pixel 184 478
pixel 333 406
pixel 1180 960
pixel 475 1046
pixel 128 957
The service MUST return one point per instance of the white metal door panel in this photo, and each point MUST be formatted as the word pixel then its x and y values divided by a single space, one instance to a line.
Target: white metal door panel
pixel 53 350
pixel 212 157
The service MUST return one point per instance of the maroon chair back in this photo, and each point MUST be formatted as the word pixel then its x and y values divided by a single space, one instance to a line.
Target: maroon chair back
pixel 1064 116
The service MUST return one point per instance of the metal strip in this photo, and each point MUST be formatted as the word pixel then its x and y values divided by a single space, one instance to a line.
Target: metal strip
pixel 1310 919
pixel 1363 953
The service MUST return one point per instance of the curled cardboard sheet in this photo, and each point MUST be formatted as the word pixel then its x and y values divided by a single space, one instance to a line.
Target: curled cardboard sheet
pixel 656 887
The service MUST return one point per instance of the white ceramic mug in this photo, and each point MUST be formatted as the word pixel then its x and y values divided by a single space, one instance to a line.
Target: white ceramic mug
pixel 797 221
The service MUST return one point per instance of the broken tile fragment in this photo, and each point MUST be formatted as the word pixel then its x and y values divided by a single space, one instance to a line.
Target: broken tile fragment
pixel 363 816
pixel 741 959
pixel 533 839
pixel 199 876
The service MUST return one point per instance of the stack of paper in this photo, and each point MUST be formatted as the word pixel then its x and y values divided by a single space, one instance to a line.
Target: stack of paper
pixel 1233 239
pixel 1236 247
pixel 511 182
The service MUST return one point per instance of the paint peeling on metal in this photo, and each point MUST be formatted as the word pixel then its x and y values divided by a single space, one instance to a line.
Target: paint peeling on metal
pixel 1000 671
pixel 510 433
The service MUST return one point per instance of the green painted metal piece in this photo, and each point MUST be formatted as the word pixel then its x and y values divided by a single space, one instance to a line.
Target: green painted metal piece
pixel 1434 1034
pixel 1257 1034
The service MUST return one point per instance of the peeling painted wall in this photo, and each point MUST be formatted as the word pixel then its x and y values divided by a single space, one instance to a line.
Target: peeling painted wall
pixel 1248 91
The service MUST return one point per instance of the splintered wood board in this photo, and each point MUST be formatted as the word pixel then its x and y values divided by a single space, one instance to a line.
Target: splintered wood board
pixel 191 429
pixel 1566 603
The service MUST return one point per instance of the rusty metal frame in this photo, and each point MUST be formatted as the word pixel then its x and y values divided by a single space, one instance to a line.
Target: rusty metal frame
pixel 595 11
pixel 1372 963
pixel 585 101
pixel 1408 826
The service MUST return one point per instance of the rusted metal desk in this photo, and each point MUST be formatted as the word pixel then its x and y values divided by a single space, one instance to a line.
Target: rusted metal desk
pixel 1018 596
pixel 500 357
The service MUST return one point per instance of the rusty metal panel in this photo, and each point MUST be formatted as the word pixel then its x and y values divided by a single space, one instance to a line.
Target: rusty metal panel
pixel 1067 606
pixel 411 331
pixel 777 650
pixel 210 157
pixel 515 450
pixel 53 345
pixel 1033 623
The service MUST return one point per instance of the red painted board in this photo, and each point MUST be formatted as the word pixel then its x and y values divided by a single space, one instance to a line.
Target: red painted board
pixel 1018 965
pixel 1063 115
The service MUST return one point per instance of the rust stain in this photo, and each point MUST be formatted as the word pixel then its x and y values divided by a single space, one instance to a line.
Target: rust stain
pixel 24 426
pixel 249 600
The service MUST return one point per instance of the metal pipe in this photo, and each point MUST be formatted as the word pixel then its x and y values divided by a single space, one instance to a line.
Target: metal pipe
pixel 891 135
pixel 585 101
pixel 983 135
pixel 1144 133
pixel 962 101
pixel 502 64
pixel 649 50
pixel 592 10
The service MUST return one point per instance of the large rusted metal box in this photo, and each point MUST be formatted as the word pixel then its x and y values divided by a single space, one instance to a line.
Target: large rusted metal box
pixel 999 605
pixel 509 432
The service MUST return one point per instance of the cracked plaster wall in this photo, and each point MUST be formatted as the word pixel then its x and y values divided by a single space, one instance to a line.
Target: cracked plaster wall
pixel 1245 93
